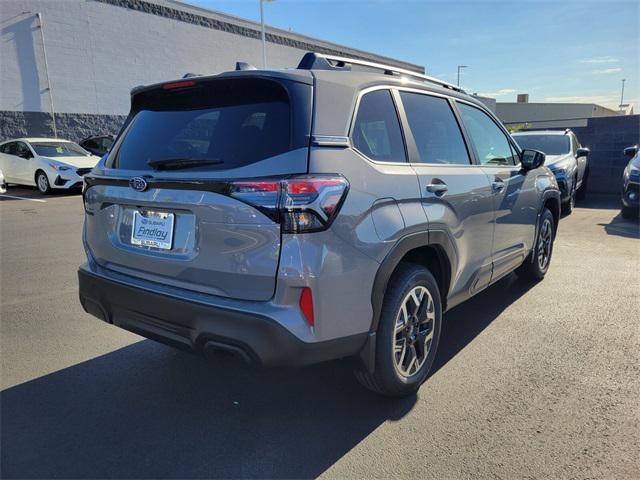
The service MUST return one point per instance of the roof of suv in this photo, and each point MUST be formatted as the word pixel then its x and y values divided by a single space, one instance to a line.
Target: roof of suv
pixel 353 73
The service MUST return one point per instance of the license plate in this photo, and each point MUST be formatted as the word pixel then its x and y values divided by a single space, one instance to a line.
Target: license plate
pixel 152 229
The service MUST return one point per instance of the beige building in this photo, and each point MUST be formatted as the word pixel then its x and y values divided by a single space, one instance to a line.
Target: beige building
pixel 550 115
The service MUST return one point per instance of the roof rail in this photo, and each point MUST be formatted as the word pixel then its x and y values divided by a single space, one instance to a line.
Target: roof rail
pixel 320 61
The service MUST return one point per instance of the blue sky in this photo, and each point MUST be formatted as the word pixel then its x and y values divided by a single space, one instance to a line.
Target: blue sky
pixel 555 51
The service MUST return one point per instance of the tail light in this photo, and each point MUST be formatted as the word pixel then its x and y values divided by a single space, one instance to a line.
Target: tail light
pixel 300 204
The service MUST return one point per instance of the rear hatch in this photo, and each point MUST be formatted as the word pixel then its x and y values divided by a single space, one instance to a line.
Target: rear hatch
pixel 168 204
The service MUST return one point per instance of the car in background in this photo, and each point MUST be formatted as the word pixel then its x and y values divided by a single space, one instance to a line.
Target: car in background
pixel 631 184
pixel 47 163
pixel 565 157
pixel 3 185
pixel 98 144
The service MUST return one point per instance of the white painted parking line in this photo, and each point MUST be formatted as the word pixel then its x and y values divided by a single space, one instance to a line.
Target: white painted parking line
pixel 22 198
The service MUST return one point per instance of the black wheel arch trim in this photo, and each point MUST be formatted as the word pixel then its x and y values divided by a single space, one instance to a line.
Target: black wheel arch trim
pixel 435 238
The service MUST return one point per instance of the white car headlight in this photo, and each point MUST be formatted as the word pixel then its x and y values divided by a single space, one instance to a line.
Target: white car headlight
pixel 60 168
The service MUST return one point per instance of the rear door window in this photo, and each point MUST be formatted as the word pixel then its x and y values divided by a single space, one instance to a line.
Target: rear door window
pixel 376 130
pixel 9 148
pixel 224 124
pixel 435 129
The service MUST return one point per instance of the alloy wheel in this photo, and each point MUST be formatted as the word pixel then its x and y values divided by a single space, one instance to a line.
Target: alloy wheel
pixel 43 182
pixel 414 330
pixel 544 244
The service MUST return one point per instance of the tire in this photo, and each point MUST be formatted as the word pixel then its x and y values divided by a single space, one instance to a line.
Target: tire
pixel 568 206
pixel 629 212
pixel 42 182
pixel 533 269
pixel 400 338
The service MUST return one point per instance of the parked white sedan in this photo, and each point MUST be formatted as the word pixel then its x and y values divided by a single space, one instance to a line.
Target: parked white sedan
pixel 48 163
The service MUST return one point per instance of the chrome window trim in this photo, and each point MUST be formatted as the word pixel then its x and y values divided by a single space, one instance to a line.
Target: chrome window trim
pixel 421 91
pixel 354 115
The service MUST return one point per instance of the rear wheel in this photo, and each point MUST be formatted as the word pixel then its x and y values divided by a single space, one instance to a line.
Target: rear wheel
pixel 42 181
pixel 537 263
pixel 408 333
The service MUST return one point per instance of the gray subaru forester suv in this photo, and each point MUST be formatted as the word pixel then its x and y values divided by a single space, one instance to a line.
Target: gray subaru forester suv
pixel 295 216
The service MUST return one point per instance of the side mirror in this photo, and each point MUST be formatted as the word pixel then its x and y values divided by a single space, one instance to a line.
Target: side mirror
pixel 582 152
pixel 631 151
pixel 531 159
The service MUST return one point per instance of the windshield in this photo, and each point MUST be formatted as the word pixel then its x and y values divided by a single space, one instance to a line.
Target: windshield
pixel 548 144
pixel 225 126
pixel 58 149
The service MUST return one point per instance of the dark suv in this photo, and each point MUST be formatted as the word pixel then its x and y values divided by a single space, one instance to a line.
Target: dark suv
pixel 296 216
pixel 565 157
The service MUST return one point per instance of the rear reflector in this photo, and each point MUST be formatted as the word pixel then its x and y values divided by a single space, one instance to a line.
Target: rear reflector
pixel 306 305
pixel 183 84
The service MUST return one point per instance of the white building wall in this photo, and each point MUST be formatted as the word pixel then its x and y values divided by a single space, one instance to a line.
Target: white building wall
pixel 97 52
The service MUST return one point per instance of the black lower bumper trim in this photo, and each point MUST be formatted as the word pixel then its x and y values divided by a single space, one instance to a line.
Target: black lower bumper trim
pixel 200 327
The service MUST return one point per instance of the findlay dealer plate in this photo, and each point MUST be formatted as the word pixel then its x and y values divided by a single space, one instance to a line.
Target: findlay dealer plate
pixel 152 229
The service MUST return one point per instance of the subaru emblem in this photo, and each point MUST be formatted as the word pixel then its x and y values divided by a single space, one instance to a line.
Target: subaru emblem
pixel 138 183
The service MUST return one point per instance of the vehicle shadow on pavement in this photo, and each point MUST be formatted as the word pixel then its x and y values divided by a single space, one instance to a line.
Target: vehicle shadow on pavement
pixel 464 323
pixel 15 193
pixel 622 227
pixel 148 411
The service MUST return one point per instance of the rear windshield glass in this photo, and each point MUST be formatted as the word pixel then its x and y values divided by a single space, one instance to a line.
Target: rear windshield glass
pixel 218 125
pixel 58 149
pixel 548 144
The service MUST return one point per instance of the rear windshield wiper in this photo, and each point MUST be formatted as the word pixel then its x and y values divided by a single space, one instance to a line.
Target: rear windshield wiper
pixel 180 163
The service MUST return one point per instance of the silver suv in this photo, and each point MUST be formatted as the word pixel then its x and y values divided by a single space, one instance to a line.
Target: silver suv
pixel 295 216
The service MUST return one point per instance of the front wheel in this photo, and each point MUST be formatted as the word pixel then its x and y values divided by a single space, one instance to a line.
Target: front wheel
pixel 568 206
pixel 537 263
pixel 408 333
pixel 42 181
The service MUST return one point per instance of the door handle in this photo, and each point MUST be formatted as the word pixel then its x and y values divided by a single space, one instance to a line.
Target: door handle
pixel 497 185
pixel 438 188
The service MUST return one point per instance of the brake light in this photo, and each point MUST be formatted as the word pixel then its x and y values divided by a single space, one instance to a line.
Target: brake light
pixel 182 84
pixel 300 204
pixel 306 305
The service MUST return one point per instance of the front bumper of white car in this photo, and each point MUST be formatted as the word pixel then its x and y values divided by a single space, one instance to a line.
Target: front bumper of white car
pixel 67 179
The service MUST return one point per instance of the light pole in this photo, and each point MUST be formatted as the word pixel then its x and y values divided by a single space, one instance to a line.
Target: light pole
pixel 622 94
pixel 460 67
pixel 264 42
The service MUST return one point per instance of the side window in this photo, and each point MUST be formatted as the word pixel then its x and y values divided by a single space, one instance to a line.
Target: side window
pixel 376 131
pixel 93 143
pixel 9 148
pixel 22 150
pixel 107 143
pixel 490 142
pixel 435 129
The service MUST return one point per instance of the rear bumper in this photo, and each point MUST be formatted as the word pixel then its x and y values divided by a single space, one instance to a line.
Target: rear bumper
pixel 199 327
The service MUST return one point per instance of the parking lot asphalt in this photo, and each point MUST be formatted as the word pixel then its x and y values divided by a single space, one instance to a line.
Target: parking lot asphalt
pixel 530 381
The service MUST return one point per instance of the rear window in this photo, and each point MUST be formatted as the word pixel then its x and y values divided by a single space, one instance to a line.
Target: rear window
pixel 549 144
pixel 223 124
pixel 58 149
